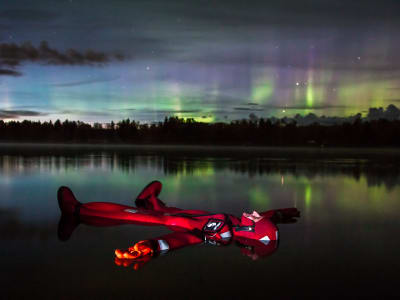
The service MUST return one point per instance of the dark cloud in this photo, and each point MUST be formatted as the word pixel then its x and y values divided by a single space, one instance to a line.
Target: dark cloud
pixel 15 114
pixel 84 82
pixel 248 109
pixel 6 72
pixel 12 55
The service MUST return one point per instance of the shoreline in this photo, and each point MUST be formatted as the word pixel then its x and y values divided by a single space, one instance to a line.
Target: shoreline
pixel 337 151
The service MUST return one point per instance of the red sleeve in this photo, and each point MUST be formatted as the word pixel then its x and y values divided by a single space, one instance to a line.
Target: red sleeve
pixel 175 240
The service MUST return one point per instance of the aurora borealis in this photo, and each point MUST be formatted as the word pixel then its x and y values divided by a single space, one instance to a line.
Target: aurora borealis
pixel 210 60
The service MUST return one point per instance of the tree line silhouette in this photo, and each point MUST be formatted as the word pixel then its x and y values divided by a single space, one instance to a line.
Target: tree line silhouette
pixel 174 130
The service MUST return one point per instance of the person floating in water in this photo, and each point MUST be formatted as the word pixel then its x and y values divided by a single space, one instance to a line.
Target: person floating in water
pixel 256 233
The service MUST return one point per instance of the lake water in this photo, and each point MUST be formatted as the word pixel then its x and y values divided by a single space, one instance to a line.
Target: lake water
pixel 345 243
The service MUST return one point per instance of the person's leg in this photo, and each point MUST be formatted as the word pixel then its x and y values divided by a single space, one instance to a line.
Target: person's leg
pixel 148 199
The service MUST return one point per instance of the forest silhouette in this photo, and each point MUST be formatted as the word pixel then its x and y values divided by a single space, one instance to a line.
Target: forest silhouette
pixel 358 132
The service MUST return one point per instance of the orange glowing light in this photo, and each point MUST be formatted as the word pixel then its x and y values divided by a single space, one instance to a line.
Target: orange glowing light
pixel 140 249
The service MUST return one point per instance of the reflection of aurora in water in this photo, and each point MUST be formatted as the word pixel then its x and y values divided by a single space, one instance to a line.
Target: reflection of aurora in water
pixel 262 190
pixel 214 183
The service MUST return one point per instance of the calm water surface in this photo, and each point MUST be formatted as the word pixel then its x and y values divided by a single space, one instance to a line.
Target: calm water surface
pixel 345 243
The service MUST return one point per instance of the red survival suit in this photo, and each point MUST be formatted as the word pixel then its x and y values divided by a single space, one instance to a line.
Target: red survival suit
pixel 189 226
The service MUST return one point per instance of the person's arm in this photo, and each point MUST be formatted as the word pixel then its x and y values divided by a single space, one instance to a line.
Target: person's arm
pixel 141 252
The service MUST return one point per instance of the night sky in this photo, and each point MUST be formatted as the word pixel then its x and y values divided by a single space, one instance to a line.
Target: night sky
pixel 210 60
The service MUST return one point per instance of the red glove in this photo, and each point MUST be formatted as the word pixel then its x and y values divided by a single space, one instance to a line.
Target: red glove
pixel 139 250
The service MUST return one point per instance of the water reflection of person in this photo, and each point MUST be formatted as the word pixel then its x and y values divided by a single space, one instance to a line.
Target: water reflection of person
pixel 256 233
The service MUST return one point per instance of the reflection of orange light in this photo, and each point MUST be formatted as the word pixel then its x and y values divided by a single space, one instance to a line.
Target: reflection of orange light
pixel 138 250
pixel 138 255
pixel 137 263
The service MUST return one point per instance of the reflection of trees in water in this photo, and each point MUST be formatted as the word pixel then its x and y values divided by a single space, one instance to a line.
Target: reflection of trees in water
pixel 388 177
pixel 376 172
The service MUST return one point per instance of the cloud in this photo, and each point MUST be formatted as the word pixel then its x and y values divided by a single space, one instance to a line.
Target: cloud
pixel 84 82
pixel 6 72
pixel 248 109
pixel 12 55
pixel 122 109
pixel 15 114
pixel 85 113
pixel 188 111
